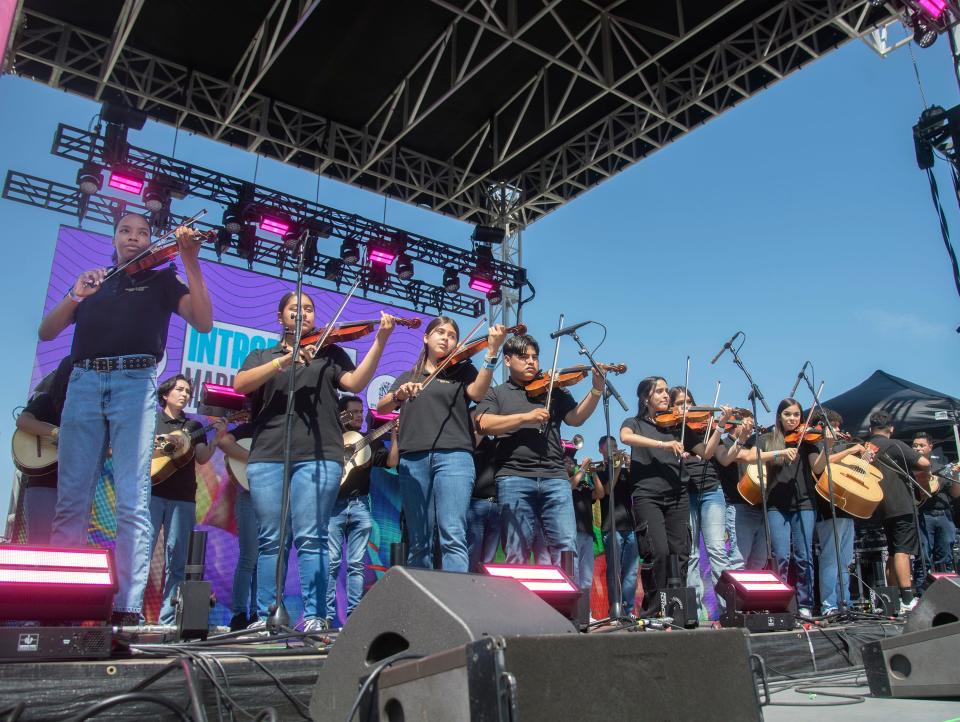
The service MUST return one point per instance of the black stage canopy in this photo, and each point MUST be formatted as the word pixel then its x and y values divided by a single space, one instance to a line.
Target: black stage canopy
pixel 473 108
pixel 913 407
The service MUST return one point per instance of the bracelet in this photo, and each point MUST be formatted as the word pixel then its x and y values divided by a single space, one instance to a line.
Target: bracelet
pixel 659 443
pixel 596 392
pixel 276 365
pixel 490 363
pixel 74 297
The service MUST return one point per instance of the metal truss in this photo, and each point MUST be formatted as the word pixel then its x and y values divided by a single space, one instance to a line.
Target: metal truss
pixel 268 255
pixel 81 145
pixel 608 56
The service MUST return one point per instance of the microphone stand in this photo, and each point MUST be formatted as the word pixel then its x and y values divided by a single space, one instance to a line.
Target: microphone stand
pixel 755 396
pixel 616 608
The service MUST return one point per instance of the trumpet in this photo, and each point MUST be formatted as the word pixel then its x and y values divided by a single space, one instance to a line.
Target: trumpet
pixel 575 443
pixel 620 459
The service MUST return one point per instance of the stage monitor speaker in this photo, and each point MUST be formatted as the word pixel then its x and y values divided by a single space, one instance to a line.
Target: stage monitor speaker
pixel 420 611
pixel 649 676
pixel 915 664
pixel 940 604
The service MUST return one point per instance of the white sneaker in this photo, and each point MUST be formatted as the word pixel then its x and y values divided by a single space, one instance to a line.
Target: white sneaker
pixel 258 627
pixel 805 613
pixel 315 626
pixel 906 607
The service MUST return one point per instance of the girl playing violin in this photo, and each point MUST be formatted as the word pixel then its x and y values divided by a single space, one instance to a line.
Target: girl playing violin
pixel 316 449
pixel 436 467
pixel 120 334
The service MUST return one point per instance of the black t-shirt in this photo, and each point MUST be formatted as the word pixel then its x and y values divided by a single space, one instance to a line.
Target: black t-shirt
pixel 823 506
pixel 730 475
pixel 897 495
pixel 358 483
pixel 181 485
pixel 941 501
pixel 485 465
pixel 526 451
pixel 128 315
pixel 316 432
pixel 704 474
pixel 656 472
pixel 790 486
pixel 438 419
pixel 43 408
pixel 622 502
pixel 583 506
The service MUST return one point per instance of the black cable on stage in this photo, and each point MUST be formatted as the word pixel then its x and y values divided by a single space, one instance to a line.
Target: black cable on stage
pixel 283 688
pixel 369 681
pixel 941 216
pixel 126 698
pixel 198 712
pixel 13 711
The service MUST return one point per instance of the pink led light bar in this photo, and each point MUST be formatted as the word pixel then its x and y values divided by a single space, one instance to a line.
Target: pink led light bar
pixel 126 182
pixel 754 576
pixel 934 8
pixel 481 285
pixel 384 418
pixel 55 576
pixel 539 579
pixel 20 556
pixel 271 224
pixel 777 586
pixel 382 256
pixel 222 396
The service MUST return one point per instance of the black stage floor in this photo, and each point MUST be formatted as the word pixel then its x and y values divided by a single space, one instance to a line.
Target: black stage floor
pixel 237 680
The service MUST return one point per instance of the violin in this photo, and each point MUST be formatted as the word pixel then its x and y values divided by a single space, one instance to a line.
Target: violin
pixel 812 434
pixel 475 347
pixel 697 417
pixel 567 377
pixel 157 256
pixel 351 330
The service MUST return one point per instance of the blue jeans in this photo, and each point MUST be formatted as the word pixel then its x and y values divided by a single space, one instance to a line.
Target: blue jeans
pixel 829 600
pixel 39 503
pixel 527 503
pixel 483 532
pixel 791 535
pixel 585 560
pixel 733 549
pixel 940 534
pixel 751 539
pixel 629 566
pixel 707 516
pixel 349 520
pixel 177 519
pixel 116 409
pixel 244 579
pixel 435 488
pixel 313 491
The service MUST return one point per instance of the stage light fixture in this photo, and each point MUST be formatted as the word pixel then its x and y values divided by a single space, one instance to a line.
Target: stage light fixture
pixel 126 180
pixel 90 179
pixel 333 269
pixel 155 196
pixel 756 599
pixel 377 275
pixel 350 250
pixel 272 223
pixel 924 31
pixel 481 284
pixel 404 267
pixel 488 234
pixel 233 219
pixel 933 8
pixel 451 280
pixel 549 583
pixel 247 243
pixel 382 254
pixel 495 295
pixel 224 239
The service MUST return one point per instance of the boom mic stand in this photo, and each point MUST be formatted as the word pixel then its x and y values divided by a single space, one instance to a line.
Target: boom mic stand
pixel 616 608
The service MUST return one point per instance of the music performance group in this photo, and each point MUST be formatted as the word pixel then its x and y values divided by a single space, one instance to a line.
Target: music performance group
pixel 480 466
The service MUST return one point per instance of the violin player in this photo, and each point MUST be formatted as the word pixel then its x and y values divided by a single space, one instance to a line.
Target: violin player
pixel 533 488
pixel 121 323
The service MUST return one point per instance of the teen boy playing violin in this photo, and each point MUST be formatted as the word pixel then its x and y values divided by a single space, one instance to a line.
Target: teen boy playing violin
pixel 533 488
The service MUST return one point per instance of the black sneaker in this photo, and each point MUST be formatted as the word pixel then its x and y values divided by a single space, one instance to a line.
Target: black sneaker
pixel 238 621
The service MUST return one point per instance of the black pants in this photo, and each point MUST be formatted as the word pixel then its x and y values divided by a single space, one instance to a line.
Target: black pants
pixel 663 528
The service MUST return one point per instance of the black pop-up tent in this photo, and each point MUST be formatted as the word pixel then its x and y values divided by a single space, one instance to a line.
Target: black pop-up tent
pixel 913 407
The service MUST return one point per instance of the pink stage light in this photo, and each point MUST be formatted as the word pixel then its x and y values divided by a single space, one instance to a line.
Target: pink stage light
pixel 126 181
pixel 384 418
pixel 934 8
pixel 754 590
pixel 223 396
pixel 38 557
pixel 534 578
pixel 271 224
pixel 382 256
pixel 481 285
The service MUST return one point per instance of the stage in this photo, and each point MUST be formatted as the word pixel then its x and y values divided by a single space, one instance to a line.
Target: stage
pixel 249 673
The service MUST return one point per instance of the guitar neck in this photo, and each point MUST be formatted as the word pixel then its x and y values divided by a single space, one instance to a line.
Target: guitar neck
pixel 376 434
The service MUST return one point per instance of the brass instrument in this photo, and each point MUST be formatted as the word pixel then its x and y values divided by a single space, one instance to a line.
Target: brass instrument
pixel 575 443
pixel 621 458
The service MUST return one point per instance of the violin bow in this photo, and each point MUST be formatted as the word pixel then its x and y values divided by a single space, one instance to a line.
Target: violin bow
pixel 328 329
pixel 716 398
pixel 806 424
pixel 683 421
pixel 553 376
pixel 460 346
pixel 153 246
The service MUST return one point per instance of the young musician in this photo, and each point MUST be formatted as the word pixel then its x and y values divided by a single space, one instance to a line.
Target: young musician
pixel 896 461
pixel 350 520
pixel 436 442
pixel 483 516
pixel 939 530
pixel 173 501
pixel 41 417
pixel 316 449
pixel 830 596
pixel 585 491
pixel 623 526
pixel 120 333
pixel 533 487
pixel 661 505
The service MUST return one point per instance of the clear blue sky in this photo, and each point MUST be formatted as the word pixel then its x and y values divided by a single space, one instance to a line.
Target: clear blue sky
pixel 799 217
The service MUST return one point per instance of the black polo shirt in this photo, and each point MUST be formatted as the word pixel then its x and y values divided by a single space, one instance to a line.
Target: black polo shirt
pixel 43 408
pixel 526 451
pixel 941 501
pixel 790 486
pixel 656 472
pixel 622 502
pixel 316 431
pixel 583 505
pixel 897 494
pixel 484 463
pixel 128 315
pixel 182 484
pixel 438 419
pixel 358 483
pixel 704 474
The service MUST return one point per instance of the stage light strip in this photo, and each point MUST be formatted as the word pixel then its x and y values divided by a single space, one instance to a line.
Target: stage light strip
pixel 10 556
pixel 563 586
pixel 524 572
pixel 769 587
pixel 54 576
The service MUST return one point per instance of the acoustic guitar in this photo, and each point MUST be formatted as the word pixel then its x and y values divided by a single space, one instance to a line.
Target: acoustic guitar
pixel 749 485
pixel 237 469
pixel 174 451
pixel 856 484
pixel 356 448
pixel 33 455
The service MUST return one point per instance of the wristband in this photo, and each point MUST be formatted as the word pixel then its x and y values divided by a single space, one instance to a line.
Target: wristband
pixel 596 392
pixel 74 297
pixel 490 363
pixel 277 366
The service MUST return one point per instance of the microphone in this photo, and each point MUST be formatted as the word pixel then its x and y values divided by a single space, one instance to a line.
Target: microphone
pixel 799 376
pixel 727 345
pixel 568 329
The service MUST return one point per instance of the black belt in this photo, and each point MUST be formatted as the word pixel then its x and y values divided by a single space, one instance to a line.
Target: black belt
pixel 116 363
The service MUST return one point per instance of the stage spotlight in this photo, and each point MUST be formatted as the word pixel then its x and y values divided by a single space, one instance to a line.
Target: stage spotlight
pixel 488 234
pixel 757 600
pixel 481 284
pixel 934 8
pixel 156 196
pixel 89 179
pixel 333 269
pixel 404 267
pixel 549 583
pixel 924 31
pixel 274 223
pixel 126 180
pixel 381 254
pixel 247 244
pixel 451 280
pixel 350 250
pixel 310 253
pixel 495 295
pixel 224 239
pixel 233 219
pixel 377 275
